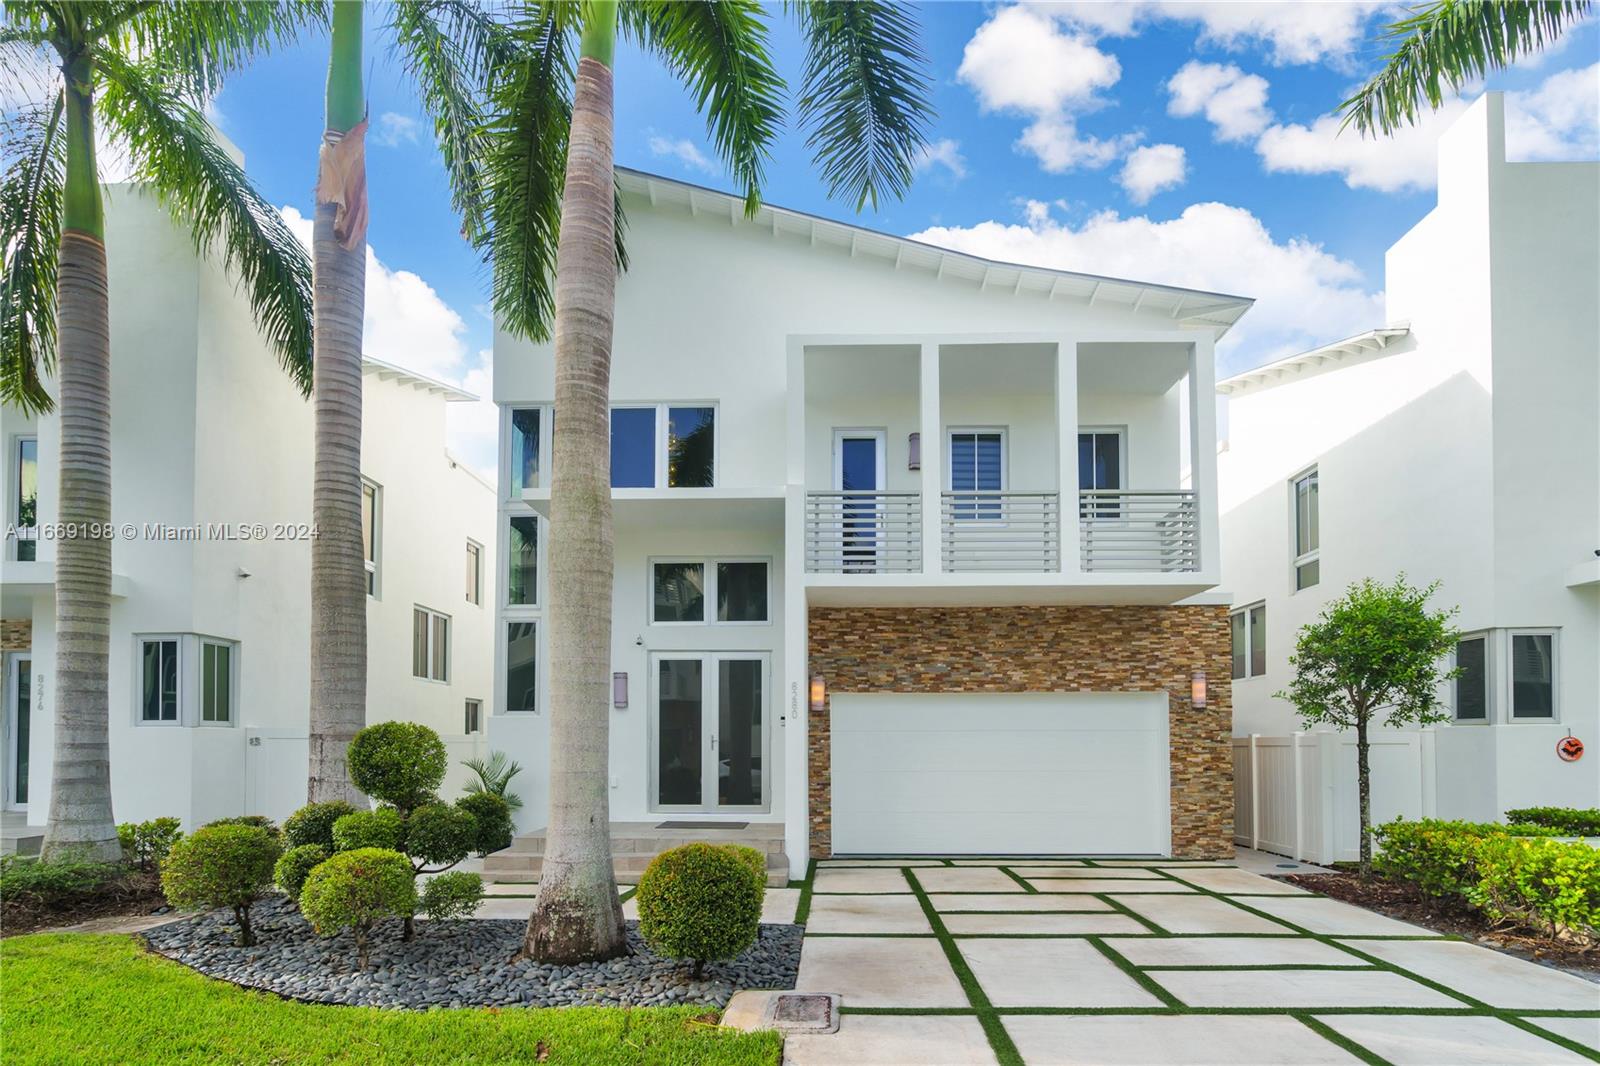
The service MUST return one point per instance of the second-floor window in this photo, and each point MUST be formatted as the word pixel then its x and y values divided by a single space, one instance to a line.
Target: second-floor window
pixel 663 446
pixel 25 506
pixel 1248 630
pixel 977 468
pixel 474 717
pixel 371 517
pixel 474 572
pixel 683 590
pixel 1307 538
pixel 526 446
pixel 522 666
pixel 430 644
pixel 522 561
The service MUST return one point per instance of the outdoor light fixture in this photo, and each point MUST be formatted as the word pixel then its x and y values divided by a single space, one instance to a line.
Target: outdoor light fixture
pixel 914 452
pixel 619 690
pixel 819 693
pixel 1197 690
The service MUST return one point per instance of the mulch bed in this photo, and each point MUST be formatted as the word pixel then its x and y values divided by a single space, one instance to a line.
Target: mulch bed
pixel 137 894
pixel 1408 903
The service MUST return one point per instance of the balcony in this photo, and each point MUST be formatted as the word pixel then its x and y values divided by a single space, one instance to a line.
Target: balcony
pixel 1016 532
pixel 1139 532
pixel 863 532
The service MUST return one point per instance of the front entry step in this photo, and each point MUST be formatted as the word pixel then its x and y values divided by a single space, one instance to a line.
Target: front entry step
pixel 635 844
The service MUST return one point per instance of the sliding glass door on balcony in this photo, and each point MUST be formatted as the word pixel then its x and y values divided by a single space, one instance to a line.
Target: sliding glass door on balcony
pixel 709 736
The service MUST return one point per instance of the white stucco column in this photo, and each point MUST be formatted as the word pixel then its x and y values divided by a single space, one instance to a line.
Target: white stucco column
pixel 792 702
pixel 932 460
pixel 1067 451
pixel 1203 450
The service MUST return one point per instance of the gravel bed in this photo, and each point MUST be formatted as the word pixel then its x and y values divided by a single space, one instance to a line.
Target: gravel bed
pixel 458 964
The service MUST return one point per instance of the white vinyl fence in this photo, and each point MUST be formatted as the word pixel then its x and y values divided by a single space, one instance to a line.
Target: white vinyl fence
pixel 1297 796
pixel 275 769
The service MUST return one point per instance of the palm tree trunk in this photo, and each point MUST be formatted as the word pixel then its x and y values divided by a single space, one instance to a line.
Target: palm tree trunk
pixel 80 818
pixel 338 555
pixel 576 915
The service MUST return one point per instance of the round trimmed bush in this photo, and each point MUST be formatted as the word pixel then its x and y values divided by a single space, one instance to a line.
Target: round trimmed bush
pixel 381 828
pixel 452 895
pixel 295 865
pixel 700 902
pixel 401 763
pixel 492 815
pixel 260 821
pixel 313 824
pixel 357 889
pixel 753 859
pixel 221 866
pixel 440 835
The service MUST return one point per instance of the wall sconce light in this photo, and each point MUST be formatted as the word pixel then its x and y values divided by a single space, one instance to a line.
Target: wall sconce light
pixel 619 690
pixel 819 693
pixel 914 452
pixel 1197 690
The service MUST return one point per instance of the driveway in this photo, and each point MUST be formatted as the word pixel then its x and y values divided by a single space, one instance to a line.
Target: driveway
pixel 1143 962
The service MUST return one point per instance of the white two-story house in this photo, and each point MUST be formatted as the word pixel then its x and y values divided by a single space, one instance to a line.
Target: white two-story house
pixel 908 557
pixel 211 457
pixel 1457 441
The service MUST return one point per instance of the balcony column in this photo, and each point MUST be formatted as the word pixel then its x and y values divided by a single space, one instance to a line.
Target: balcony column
pixel 1203 450
pixel 1067 459
pixel 932 461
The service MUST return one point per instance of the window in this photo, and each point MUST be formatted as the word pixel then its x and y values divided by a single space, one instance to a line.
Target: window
pixel 371 517
pixel 522 658
pixel 522 557
pixel 1472 683
pixel 663 445
pixel 25 507
pixel 474 572
pixel 1307 564
pixel 474 722
pixel 430 645
pixel 1533 675
pixel 1101 462
pixel 977 465
pixel 159 670
pixel 681 589
pixel 525 448
pixel 1248 631
pixel 216 682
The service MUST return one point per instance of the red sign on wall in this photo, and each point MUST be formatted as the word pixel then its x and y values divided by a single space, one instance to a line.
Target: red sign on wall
pixel 1570 749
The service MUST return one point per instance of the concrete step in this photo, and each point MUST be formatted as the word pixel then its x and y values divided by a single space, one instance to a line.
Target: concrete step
pixel 514 864
pixel 533 843
pixel 21 840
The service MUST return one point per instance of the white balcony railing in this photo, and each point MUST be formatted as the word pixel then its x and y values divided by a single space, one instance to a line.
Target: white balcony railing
pixel 1009 531
pixel 1150 532
pixel 863 532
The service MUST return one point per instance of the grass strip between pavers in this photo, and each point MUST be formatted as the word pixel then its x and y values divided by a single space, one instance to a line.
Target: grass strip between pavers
pixel 1138 976
pixel 1123 909
pixel 802 910
pixel 999 1040
pixel 1333 1036
pixel 1018 878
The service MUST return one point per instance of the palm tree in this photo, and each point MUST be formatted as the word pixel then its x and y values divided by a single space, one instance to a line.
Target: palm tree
pixel 552 211
pixel 453 52
pixel 137 71
pixel 1442 45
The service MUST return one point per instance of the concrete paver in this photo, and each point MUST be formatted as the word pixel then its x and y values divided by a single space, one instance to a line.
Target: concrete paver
pixel 1129 873
pixel 862 880
pixel 1104 884
pixel 1412 1040
pixel 867 914
pixel 778 906
pixel 966 879
pixel 1331 916
pixel 1014 901
pixel 1232 951
pixel 1198 914
pixel 1585 1031
pixel 887 1040
pixel 1088 1040
pixel 1299 988
pixel 1036 924
pixel 872 972
pixel 1228 881
pixel 1050 973
pixel 1498 980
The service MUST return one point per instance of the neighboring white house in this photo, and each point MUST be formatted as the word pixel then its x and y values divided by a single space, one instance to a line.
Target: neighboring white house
pixel 210 637
pixel 848 598
pixel 1457 441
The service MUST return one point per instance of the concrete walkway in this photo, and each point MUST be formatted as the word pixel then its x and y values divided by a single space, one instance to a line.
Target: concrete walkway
pixel 1145 962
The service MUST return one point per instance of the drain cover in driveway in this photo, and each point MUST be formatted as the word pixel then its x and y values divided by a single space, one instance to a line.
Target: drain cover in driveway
pixel 703 825
pixel 803 1012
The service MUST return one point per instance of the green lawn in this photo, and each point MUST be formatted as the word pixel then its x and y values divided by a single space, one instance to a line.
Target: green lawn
pixel 69 997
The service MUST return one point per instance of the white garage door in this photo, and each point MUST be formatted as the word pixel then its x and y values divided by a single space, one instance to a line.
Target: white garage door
pixel 1000 774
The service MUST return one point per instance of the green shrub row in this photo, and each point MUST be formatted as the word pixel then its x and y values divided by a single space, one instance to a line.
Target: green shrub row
pixel 56 882
pixel 1568 821
pixel 1513 878
pixel 147 843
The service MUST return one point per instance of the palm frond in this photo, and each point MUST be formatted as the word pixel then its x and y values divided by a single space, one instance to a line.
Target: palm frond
pixel 200 44
pixel 494 775
pixel 173 150
pixel 718 48
pixel 1445 44
pixel 864 99
pixel 30 235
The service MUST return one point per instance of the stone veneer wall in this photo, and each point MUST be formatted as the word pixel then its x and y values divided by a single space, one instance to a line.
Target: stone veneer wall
pixel 16 634
pixel 1043 649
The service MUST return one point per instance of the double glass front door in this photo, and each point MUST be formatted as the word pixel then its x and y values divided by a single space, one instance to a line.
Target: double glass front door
pixel 710 731
pixel 18 729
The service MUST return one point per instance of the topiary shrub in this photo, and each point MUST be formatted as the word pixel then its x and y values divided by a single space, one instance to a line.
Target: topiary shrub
pixel 493 817
pixel 147 843
pixel 259 821
pixel 357 889
pixel 222 866
pixel 399 763
pixel 313 824
pixel 700 902
pixel 381 828
pixel 439 835
pixel 450 896
pixel 753 859
pixel 295 865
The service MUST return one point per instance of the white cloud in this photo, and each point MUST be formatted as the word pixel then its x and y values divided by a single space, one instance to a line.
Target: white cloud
pixel 1404 160
pixel 1304 294
pixel 685 152
pixel 472 430
pixel 1151 169
pixel 942 153
pixel 1234 102
pixel 1558 120
pixel 1059 148
pixel 395 129
pixel 1292 31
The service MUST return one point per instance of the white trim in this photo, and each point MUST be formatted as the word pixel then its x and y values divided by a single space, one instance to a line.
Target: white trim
pixel 475 549
pixel 1361 348
pixel 503 673
pixel 709 711
pixel 1509 682
pixel 428 649
pixel 661 437
pixel 503 579
pixel 178 641
pixel 709 588
pixel 878 434
pixel 14 504
pixel 1314 555
pixel 1489 674
pixel 233 682
pixel 1249 639
pixel 1121 433
pixel 470 727
pixel 374 565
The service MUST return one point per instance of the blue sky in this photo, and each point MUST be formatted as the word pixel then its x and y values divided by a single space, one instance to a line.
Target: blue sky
pixel 1187 144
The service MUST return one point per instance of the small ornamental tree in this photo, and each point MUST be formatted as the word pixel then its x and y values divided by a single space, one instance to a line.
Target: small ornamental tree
pixel 398 763
pixel 357 889
pixel 228 865
pixel 1377 649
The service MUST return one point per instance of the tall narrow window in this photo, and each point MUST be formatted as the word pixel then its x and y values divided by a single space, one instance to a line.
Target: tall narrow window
pixel 633 447
pixel 371 515
pixel 1100 458
pixel 474 722
pixel 522 560
pixel 977 470
pixel 216 682
pixel 522 662
pixel 159 680
pixel 1247 629
pixel 474 572
pixel 1533 675
pixel 430 644
pixel 1472 683
pixel 1241 645
pixel 26 506
pixel 1258 640
pixel 1307 540
pixel 691 447
pixel 524 449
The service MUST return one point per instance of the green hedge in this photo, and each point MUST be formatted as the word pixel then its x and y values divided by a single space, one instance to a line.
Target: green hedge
pixel 1513 878
pixel 1568 821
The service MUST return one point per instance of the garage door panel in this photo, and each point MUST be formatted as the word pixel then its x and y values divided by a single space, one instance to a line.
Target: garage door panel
pixel 999 773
